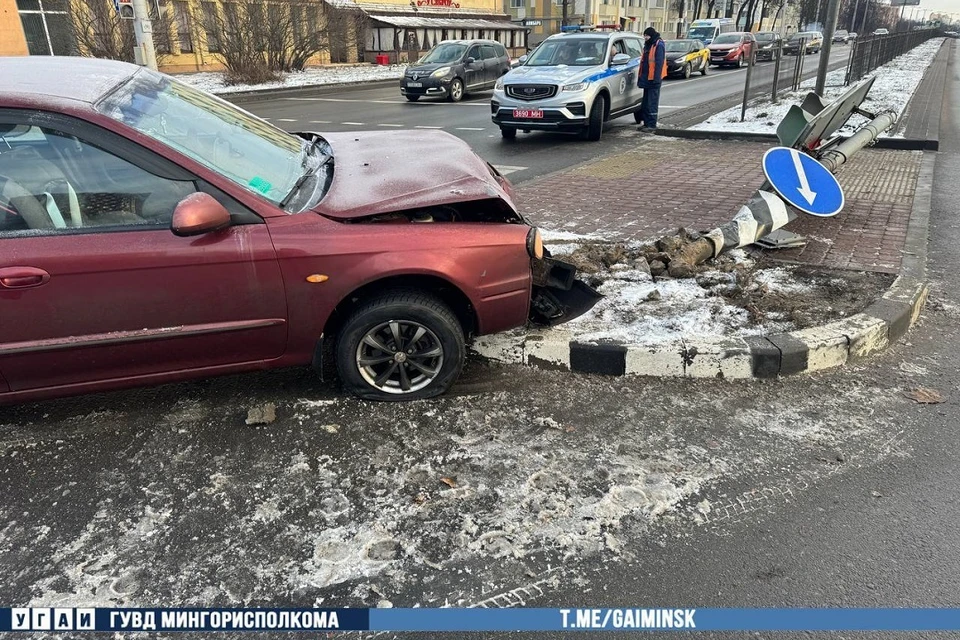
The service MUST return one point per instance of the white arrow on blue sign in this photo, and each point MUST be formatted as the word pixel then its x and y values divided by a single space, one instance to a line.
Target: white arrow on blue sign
pixel 803 182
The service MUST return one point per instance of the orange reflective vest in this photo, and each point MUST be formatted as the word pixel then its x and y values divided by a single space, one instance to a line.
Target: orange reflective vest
pixel 652 61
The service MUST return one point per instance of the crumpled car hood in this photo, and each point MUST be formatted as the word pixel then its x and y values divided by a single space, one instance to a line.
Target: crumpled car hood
pixel 378 172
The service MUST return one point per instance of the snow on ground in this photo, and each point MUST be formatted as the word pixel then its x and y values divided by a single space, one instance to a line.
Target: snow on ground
pixel 895 83
pixel 346 74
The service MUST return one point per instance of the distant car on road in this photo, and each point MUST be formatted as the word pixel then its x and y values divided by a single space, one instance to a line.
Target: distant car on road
pixel 812 42
pixel 573 82
pixel 841 36
pixel 881 32
pixel 454 68
pixel 732 49
pixel 686 56
pixel 952 34
pixel 853 35
pixel 768 45
pixel 151 232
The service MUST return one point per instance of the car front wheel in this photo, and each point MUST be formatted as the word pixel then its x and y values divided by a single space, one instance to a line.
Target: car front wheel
pixel 403 345
pixel 703 69
pixel 595 123
pixel 740 61
pixel 456 90
pixel 413 98
pixel 508 133
pixel 687 71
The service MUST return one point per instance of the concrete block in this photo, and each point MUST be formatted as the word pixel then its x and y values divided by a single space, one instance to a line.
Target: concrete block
pixel 659 359
pixel 548 350
pixel 605 359
pixel 717 358
pixel 827 346
pixel 865 335
pixel 764 357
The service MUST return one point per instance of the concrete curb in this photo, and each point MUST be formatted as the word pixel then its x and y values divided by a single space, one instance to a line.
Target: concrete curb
pixel 285 92
pixel 897 144
pixel 878 326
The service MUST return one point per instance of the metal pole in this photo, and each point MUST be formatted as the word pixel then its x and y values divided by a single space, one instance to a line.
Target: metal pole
pixel 833 14
pixel 143 30
pixel 833 158
pixel 856 10
pixel 776 72
pixel 746 85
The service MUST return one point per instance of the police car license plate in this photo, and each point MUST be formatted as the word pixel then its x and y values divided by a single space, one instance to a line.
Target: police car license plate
pixel 528 113
pixel 415 84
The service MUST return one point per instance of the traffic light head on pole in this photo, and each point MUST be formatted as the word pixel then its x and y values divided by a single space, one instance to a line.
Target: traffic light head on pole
pixel 125 9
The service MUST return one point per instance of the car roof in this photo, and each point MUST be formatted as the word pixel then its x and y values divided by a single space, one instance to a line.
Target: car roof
pixel 63 77
pixel 474 41
pixel 590 35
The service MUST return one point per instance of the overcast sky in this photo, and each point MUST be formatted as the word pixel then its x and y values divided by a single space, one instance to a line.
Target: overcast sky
pixel 946 6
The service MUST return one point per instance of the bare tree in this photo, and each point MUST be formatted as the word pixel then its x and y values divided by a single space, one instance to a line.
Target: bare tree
pixel 257 40
pixel 101 33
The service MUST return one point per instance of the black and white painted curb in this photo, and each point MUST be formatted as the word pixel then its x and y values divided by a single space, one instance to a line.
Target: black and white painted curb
pixel 831 345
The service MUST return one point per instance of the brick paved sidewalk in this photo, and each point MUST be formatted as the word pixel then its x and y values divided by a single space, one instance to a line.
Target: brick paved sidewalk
pixel 665 183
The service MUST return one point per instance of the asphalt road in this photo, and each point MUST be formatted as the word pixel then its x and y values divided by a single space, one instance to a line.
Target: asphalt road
pixel 381 106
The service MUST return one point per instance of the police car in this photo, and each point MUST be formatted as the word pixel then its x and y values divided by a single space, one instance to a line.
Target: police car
pixel 574 82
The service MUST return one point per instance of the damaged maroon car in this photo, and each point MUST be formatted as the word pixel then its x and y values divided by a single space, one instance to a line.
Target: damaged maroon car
pixel 150 232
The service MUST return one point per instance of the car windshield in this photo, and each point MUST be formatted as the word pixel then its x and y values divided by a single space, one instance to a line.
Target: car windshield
pixel 764 37
pixel 806 35
pixel 701 33
pixel 727 38
pixel 677 46
pixel 444 53
pixel 574 52
pixel 235 144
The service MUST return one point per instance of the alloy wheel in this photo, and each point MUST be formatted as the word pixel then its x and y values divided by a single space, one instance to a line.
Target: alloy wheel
pixel 399 356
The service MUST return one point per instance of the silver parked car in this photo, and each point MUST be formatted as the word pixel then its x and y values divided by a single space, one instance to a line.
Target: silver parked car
pixel 573 82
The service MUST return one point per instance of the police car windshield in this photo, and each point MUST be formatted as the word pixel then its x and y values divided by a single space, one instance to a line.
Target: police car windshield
pixel 573 52
pixel 444 53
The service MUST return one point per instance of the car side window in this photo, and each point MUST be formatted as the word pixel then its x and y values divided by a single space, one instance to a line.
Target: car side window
pixel 488 52
pixel 473 52
pixel 51 182
pixel 501 51
pixel 634 48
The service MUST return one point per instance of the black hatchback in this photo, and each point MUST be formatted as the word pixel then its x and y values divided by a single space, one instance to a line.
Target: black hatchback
pixel 454 68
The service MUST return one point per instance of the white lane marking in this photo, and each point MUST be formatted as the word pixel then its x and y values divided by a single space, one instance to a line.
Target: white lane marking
pixel 389 125
pixel 469 128
pixel 320 122
pixel 507 169
pixel 345 100
pixel 420 126
pixel 359 124
pixel 286 120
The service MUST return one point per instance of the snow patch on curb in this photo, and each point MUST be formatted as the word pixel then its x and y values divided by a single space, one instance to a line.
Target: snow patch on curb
pixel 214 82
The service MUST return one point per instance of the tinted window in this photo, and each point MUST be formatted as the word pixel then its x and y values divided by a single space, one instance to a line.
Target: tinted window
pixel 474 53
pixel 634 48
pixel 489 53
pixel 727 38
pixel 444 53
pixel 500 50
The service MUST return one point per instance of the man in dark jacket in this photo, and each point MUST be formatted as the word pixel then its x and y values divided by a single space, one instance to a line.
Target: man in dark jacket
pixel 653 69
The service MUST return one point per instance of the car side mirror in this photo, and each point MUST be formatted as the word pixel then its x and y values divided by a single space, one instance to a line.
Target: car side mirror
pixel 523 59
pixel 469 60
pixel 620 59
pixel 197 214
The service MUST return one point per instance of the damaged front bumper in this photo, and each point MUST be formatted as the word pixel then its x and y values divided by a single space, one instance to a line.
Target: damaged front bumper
pixel 558 296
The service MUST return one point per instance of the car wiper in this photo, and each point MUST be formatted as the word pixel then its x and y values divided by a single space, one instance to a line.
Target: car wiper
pixel 309 173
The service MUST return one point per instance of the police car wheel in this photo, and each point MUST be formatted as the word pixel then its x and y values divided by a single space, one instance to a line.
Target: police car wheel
pixel 413 98
pixel 508 133
pixel 595 123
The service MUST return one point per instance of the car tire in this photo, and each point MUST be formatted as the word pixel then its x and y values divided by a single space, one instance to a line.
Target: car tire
pixel 740 62
pixel 456 90
pixel 508 133
pixel 687 71
pixel 595 122
pixel 412 98
pixel 407 314
pixel 703 69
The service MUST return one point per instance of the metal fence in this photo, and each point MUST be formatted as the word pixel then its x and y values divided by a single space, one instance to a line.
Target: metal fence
pixel 778 74
pixel 870 52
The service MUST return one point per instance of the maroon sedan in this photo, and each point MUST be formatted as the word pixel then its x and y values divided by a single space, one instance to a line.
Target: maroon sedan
pixel 150 232
pixel 732 49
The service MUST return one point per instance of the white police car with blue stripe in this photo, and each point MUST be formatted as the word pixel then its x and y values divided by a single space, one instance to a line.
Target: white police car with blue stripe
pixel 572 82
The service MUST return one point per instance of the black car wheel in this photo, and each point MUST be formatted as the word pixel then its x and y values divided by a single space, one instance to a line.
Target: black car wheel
pixel 456 90
pixel 687 71
pixel 508 133
pixel 413 98
pixel 740 61
pixel 595 123
pixel 704 67
pixel 403 345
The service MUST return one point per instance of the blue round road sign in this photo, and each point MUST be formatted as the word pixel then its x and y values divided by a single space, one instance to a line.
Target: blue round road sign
pixel 803 182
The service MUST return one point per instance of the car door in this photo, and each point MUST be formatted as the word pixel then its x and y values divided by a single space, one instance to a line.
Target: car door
pixel 95 286
pixel 491 65
pixel 634 49
pixel 473 72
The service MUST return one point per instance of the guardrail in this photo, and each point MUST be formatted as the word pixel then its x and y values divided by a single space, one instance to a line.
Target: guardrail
pixel 870 52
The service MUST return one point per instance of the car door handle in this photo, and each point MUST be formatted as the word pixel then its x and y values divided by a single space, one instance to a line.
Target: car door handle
pixel 23 277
